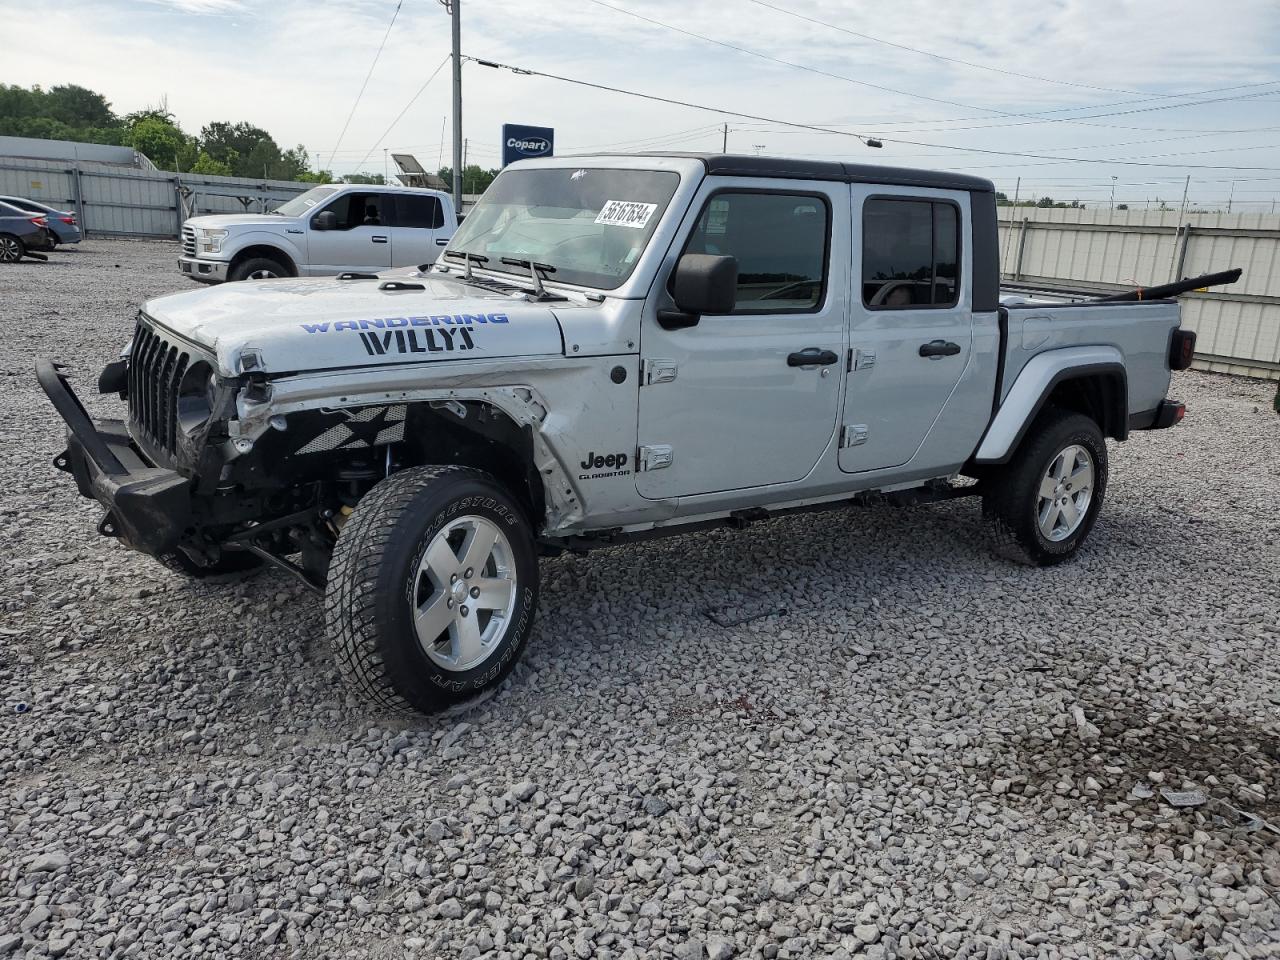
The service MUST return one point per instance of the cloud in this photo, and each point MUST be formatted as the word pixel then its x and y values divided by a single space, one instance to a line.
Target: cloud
pixel 202 7
pixel 296 73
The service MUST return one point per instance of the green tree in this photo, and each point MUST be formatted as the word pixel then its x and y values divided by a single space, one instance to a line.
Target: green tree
pixel 249 150
pixel 207 165
pixel 161 142
pixel 317 176
pixel 293 163
pixel 374 178
pixel 79 107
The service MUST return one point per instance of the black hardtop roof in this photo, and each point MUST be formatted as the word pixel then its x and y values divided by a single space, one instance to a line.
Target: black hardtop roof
pixel 731 165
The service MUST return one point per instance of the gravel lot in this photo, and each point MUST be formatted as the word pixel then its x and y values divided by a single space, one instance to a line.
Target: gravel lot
pixel 914 749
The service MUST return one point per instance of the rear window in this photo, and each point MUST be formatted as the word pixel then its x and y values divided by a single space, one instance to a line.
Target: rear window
pixel 910 254
pixel 413 210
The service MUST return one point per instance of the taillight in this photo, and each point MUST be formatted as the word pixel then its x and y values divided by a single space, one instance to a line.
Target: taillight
pixel 69 221
pixel 40 221
pixel 1182 350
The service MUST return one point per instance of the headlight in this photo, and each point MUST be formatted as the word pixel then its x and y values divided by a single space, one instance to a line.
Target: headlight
pixel 196 394
pixel 211 240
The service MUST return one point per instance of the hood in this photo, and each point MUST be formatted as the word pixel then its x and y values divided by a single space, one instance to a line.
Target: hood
pixel 323 323
pixel 221 221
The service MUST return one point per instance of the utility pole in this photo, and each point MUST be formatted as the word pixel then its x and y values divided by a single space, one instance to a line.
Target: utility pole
pixel 1113 191
pixel 466 144
pixel 724 146
pixel 1008 234
pixel 453 7
pixel 386 171
pixel 1231 196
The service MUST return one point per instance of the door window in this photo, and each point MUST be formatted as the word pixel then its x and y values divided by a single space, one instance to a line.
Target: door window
pixel 418 211
pixel 359 209
pixel 780 241
pixel 910 254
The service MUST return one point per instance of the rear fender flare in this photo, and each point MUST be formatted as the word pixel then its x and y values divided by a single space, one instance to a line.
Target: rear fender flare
pixel 1031 390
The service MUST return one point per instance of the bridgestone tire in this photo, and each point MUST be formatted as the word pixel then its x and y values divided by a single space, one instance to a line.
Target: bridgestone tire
pixel 1015 492
pixel 230 564
pixel 374 576
pixel 247 268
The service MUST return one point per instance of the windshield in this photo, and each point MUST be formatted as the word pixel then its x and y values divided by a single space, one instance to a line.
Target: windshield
pixel 590 225
pixel 303 202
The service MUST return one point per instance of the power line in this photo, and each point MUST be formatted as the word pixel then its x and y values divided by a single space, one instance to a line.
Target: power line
pixel 1027 117
pixel 865 138
pixel 411 102
pixel 366 81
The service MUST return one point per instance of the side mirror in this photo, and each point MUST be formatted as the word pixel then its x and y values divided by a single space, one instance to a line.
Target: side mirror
pixel 325 220
pixel 701 284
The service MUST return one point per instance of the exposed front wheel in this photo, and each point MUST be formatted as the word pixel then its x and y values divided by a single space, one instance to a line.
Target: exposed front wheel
pixel 1047 498
pixel 257 268
pixel 11 248
pixel 432 588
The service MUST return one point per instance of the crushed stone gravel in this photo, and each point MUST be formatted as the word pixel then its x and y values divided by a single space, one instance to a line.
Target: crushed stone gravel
pixel 905 747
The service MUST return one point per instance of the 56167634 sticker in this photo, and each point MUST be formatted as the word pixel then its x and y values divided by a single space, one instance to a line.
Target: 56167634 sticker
pixel 626 213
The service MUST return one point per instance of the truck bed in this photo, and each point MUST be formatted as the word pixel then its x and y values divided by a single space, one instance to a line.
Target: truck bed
pixel 1040 320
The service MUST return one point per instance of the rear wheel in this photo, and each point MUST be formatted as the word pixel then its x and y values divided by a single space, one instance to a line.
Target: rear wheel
pixel 257 268
pixel 432 588
pixel 1047 498
pixel 11 248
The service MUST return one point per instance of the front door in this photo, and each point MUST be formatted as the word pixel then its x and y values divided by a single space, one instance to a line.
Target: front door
pixel 361 241
pixel 750 398
pixel 910 323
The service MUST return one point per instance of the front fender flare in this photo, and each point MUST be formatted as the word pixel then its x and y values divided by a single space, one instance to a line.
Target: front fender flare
pixel 1029 392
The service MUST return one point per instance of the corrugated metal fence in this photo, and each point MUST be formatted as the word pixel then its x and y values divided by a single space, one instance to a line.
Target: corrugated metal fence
pixel 1237 326
pixel 116 201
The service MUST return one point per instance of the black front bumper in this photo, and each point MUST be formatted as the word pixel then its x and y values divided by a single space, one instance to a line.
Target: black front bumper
pixel 148 507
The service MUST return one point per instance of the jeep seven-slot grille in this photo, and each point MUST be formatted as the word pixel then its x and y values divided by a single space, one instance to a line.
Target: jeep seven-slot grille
pixel 189 241
pixel 155 371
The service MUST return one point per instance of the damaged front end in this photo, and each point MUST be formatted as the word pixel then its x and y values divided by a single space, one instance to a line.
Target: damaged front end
pixel 210 465
pixel 176 477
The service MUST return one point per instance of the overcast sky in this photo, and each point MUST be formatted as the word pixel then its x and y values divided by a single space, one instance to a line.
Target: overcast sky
pixel 1116 75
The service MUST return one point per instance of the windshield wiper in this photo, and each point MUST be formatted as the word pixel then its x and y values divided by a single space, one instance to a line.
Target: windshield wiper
pixel 536 270
pixel 470 258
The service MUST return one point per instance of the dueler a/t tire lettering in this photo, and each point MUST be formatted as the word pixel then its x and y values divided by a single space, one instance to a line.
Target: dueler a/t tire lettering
pixel 374 571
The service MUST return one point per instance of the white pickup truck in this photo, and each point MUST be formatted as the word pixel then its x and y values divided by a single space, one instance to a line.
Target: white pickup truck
pixel 328 230
pixel 612 348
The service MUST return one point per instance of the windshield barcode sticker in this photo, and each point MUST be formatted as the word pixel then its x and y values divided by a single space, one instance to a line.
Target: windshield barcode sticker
pixel 626 213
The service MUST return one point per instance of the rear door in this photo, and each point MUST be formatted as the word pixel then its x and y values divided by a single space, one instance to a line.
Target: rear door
pixel 417 236
pixel 362 240
pixel 732 399
pixel 910 321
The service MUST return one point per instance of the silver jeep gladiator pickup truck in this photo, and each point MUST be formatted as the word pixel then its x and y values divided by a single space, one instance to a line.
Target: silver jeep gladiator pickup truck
pixel 610 348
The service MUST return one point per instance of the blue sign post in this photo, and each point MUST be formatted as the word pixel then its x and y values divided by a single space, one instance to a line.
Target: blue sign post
pixel 521 143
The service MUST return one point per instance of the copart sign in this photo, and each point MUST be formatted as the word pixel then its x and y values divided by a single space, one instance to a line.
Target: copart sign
pixel 522 143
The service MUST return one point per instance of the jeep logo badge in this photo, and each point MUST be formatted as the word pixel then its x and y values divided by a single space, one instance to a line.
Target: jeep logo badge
pixel 521 143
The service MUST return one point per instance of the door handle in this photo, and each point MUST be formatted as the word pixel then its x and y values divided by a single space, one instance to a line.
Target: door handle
pixel 939 348
pixel 442 243
pixel 379 239
pixel 811 357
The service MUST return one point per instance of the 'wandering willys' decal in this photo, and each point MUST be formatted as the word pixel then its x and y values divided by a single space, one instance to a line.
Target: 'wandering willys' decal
pixel 440 333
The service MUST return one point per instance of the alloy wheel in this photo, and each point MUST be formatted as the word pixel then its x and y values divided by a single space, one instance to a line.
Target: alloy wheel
pixel 464 593
pixel 1066 489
